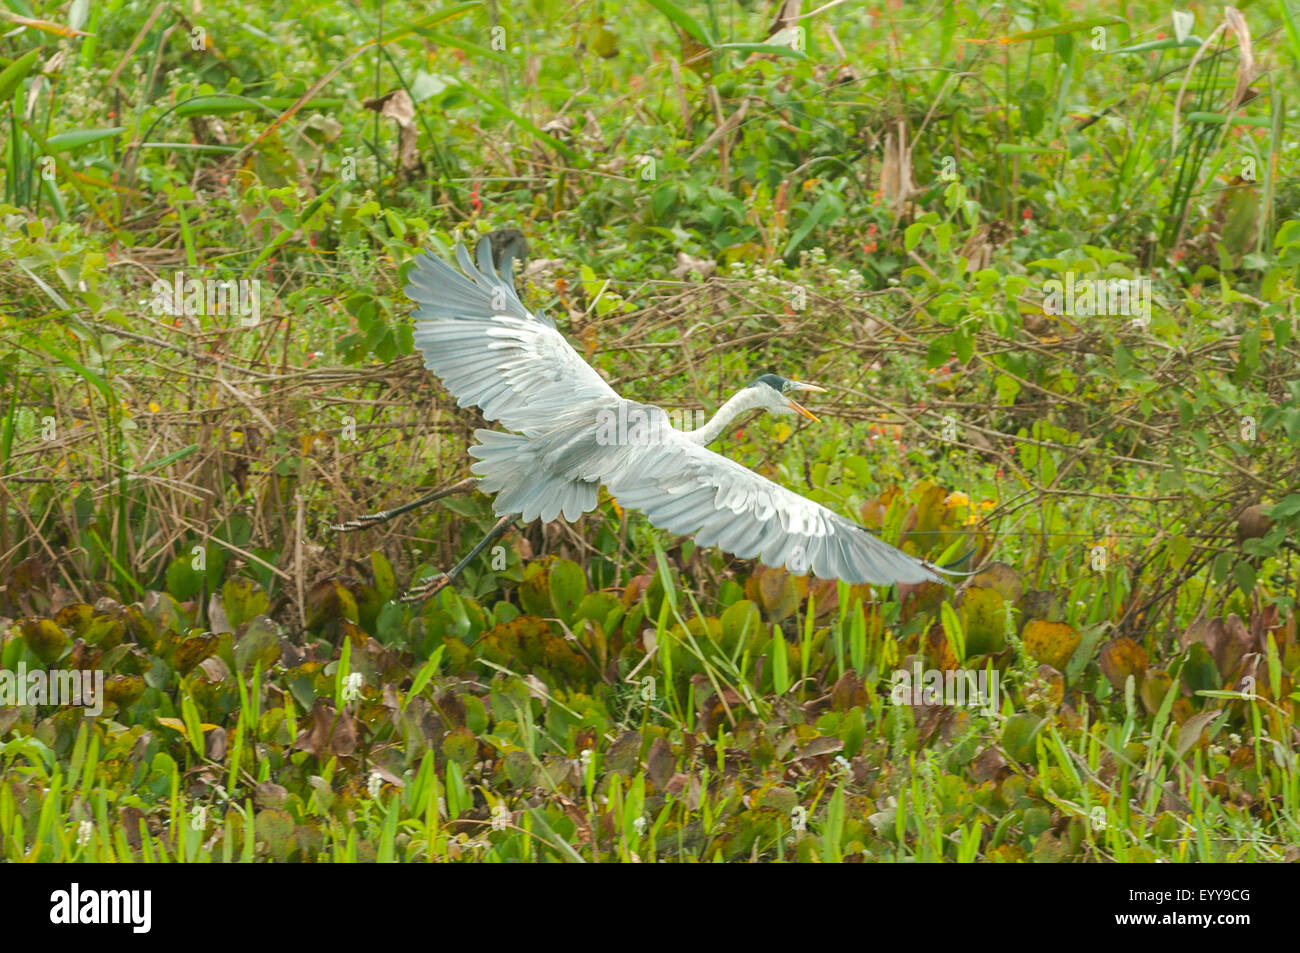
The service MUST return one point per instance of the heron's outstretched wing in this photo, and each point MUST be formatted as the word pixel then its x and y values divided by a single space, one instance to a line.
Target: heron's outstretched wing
pixel 488 349
pixel 688 489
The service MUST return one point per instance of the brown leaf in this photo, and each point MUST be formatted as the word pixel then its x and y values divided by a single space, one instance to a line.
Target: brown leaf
pixel 848 693
pixel 1051 642
pixel 622 754
pixel 1121 658
pixel 990 765
pixel 192 651
pixel 328 732
pixel 1002 579
pixel 1192 730
pixel 819 747
pixel 659 763
pixel 131 818
pixel 268 794
pixel 215 744
pixel 396 105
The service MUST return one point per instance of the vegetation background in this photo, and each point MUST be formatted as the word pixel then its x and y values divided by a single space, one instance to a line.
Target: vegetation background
pixel 870 196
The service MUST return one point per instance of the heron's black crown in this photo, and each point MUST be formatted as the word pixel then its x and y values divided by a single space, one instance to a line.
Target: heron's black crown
pixel 774 381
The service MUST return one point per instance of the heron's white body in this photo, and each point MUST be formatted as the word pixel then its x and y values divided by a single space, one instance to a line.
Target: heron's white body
pixel 491 352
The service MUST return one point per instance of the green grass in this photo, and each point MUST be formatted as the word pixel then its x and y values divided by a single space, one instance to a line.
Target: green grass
pixel 713 207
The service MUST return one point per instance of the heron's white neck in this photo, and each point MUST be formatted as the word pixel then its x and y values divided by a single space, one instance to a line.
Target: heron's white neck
pixel 745 399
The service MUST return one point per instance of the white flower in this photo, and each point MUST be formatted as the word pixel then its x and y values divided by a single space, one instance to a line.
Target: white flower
pixel 373 784
pixel 501 817
pixel 799 818
pixel 584 758
pixel 352 687
pixel 84 830
pixel 843 763
pixel 638 825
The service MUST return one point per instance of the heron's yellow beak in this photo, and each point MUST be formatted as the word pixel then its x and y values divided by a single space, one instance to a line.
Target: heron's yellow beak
pixel 799 408
pixel 803 411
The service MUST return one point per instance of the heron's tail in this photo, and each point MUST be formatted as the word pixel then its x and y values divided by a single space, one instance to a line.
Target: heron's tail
pixel 508 466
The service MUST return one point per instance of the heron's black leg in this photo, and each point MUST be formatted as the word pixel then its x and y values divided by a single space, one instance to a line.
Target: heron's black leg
pixel 373 519
pixel 434 584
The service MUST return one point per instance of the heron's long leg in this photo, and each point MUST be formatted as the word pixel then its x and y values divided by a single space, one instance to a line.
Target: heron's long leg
pixel 434 584
pixel 373 519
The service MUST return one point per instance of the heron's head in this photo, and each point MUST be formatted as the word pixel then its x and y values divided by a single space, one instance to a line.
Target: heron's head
pixel 774 394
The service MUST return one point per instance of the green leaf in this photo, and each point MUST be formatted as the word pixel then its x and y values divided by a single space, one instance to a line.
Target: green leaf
pixel 912 234
pixel 684 20
pixel 568 587
pixel 183 580
pixel 16 71
pixel 385 580
pixel 77 138
pixel 1290 506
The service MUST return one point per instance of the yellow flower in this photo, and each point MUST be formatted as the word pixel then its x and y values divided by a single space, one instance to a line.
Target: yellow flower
pixel 957 498
pixel 153 407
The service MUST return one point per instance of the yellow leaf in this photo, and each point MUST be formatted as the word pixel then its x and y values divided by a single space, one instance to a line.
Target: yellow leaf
pixel 175 724
pixel 45 26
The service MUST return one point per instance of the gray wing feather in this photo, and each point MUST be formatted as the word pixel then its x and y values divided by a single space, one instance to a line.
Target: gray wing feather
pixel 687 489
pixel 489 350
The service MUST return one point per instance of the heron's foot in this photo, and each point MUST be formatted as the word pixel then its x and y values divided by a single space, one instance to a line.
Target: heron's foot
pixel 363 522
pixel 427 589
pixel 372 519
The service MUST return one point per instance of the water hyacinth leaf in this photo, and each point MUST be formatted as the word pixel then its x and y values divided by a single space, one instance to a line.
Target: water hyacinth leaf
pixel 385 580
pixel 44 637
pixel 983 614
pixel 123 690
pixel 535 591
pixel 568 586
pixel 1052 643
pixel 258 642
pixel 1019 734
pixel 242 599
pixel 1121 658
pixel 775 590
pixel 193 650
pixel 329 601
pixel 183 580
pixel 740 622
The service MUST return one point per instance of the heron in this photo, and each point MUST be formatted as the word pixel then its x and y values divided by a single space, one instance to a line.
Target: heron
pixel 566 432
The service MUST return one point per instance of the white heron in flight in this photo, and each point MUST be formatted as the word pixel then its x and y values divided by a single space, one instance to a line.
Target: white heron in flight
pixel 572 433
